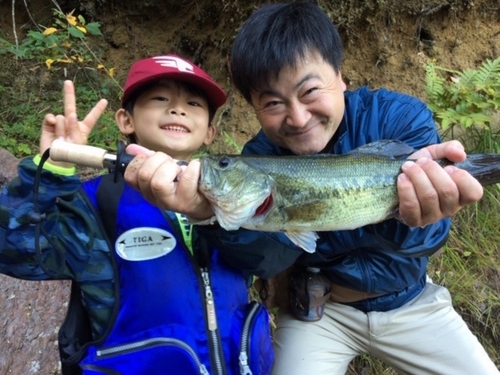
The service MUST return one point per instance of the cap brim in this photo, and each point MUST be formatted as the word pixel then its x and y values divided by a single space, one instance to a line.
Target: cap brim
pixel 215 95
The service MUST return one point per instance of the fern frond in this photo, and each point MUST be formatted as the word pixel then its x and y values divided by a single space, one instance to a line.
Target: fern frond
pixel 488 70
pixel 434 83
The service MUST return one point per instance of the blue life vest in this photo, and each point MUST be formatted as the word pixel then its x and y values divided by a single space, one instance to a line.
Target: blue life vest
pixel 180 312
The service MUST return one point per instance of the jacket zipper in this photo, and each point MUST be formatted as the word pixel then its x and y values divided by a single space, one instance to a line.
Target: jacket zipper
pixel 212 321
pixel 245 338
pixel 150 343
pixel 206 293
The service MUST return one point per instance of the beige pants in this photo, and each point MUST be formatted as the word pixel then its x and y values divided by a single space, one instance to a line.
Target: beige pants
pixel 425 336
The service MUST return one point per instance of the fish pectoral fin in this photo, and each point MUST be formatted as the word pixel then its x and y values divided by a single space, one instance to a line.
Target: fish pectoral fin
pixel 304 240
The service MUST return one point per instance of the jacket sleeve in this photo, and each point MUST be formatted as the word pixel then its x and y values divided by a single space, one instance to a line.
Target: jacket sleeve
pixel 392 235
pixel 255 253
pixel 413 123
pixel 47 239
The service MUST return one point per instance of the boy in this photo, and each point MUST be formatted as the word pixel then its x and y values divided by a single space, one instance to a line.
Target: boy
pixel 149 296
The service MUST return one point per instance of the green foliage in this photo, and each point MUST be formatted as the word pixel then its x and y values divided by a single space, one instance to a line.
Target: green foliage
pixel 21 120
pixel 106 133
pixel 469 99
pixel 469 266
pixel 233 145
pixel 466 107
pixel 466 98
pixel 62 43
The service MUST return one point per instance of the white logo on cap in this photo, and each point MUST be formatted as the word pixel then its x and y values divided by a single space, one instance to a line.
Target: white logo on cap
pixel 174 62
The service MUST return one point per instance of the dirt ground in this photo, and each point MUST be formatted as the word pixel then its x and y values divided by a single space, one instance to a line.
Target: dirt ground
pixel 386 43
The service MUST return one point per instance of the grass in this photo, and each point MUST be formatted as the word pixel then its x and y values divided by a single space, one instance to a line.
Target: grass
pixel 23 111
pixel 469 266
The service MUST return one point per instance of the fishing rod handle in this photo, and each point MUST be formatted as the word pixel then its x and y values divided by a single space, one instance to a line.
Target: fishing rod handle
pixel 83 155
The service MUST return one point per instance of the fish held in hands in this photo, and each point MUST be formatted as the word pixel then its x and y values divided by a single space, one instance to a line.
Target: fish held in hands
pixel 301 195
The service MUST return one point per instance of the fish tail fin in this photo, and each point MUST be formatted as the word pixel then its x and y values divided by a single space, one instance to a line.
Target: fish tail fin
pixel 483 167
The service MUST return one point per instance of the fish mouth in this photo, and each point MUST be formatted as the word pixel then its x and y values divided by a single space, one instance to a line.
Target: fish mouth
pixel 265 206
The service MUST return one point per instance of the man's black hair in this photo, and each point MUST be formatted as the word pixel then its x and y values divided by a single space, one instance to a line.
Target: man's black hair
pixel 192 89
pixel 278 36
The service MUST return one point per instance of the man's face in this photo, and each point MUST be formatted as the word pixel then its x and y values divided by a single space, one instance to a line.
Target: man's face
pixel 302 109
pixel 170 119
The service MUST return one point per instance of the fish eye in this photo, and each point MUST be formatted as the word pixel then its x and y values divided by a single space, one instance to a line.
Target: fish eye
pixel 224 162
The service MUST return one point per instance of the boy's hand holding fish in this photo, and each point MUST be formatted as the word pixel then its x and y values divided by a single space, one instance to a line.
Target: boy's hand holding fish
pixel 166 184
pixel 427 191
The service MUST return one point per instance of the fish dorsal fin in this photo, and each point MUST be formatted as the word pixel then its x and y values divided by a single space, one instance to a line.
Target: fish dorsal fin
pixel 393 149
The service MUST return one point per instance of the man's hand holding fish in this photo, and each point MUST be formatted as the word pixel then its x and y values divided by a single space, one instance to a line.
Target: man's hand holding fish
pixel 427 192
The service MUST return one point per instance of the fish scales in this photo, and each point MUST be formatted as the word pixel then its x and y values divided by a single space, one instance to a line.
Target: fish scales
pixel 327 192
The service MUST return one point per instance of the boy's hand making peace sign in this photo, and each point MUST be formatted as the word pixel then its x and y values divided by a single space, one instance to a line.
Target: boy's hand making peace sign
pixel 67 126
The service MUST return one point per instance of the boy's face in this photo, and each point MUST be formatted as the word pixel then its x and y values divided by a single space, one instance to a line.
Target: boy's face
pixel 170 119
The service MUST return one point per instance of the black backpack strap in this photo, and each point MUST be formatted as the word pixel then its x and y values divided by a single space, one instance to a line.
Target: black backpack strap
pixel 74 333
pixel 108 196
pixel 76 330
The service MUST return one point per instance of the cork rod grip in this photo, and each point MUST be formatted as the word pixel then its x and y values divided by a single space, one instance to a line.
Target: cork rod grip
pixel 86 156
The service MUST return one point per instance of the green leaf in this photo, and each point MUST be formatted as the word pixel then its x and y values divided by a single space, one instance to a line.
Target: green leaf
pixel 445 123
pixel 94 28
pixel 36 35
pixel 81 19
pixel 75 32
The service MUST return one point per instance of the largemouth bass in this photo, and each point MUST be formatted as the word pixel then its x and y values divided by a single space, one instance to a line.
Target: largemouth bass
pixel 300 195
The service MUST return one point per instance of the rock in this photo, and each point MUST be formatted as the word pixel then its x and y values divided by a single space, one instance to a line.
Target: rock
pixel 8 166
pixel 30 312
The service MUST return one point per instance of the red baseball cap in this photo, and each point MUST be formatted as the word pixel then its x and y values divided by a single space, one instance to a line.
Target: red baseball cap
pixel 173 67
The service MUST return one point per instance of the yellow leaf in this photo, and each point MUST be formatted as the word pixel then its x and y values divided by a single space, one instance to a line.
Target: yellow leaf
pixel 49 63
pixel 49 30
pixel 82 29
pixel 67 61
pixel 100 66
pixel 112 72
pixel 80 59
pixel 66 44
pixel 71 19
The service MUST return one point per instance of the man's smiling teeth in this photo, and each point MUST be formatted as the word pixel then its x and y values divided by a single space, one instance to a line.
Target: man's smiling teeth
pixel 175 128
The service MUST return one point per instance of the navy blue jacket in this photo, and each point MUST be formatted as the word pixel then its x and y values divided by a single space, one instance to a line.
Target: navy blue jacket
pixel 388 258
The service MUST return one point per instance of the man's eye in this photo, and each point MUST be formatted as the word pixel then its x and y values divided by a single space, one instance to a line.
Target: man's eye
pixel 272 104
pixel 310 91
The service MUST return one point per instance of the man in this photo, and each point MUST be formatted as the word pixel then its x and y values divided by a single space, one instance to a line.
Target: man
pixel 286 62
